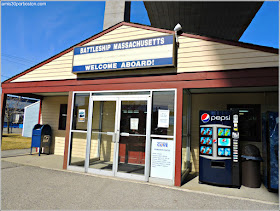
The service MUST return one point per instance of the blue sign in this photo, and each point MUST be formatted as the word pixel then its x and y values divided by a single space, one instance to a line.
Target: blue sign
pixel 150 52
pixel 156 41
pixel 162 144
pixel 123 65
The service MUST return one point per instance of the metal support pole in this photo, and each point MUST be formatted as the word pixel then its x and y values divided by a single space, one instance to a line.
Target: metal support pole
pixel 189 113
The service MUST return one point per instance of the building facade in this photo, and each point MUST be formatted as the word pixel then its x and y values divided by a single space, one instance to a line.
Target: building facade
pixel 126 101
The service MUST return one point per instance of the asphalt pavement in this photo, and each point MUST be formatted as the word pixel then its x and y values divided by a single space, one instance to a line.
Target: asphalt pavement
pixel 28 187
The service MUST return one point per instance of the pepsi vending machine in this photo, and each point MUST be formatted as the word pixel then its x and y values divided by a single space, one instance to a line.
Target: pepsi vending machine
pixel 218 148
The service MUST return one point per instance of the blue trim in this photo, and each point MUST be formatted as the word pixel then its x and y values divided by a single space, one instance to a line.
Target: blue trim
pixel 148 42
pixel 123 65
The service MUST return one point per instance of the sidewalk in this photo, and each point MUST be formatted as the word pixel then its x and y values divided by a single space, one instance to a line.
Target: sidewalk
pixel 28 187
pixel 54 162
pixel 14 152
pixel 23 157
pixel 261 193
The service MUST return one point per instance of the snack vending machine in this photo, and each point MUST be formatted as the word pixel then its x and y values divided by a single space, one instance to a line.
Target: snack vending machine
pixel 219 148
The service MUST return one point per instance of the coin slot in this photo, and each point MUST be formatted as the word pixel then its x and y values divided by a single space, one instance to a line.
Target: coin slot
pixel 218 164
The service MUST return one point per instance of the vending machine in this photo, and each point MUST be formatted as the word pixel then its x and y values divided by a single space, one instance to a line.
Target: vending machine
pixel 219 148
pixel 270 150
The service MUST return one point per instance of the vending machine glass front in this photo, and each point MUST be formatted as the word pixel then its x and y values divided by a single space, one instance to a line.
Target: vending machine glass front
pixel 224 142
pixel 206 141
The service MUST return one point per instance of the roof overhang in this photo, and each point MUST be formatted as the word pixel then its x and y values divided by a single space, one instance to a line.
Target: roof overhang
pixel 225 20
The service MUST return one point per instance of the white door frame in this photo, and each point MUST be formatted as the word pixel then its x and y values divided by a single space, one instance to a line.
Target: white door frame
pixel 116 135
pixel 89 132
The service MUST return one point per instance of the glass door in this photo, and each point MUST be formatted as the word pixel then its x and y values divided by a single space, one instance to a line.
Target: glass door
pixel 119 136
pixel 101 149
pixel 133 148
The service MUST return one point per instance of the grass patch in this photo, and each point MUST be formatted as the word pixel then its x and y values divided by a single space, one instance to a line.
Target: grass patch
pixel 15 141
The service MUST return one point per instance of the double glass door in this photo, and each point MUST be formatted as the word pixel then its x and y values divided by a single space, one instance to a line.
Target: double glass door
pixel 119 134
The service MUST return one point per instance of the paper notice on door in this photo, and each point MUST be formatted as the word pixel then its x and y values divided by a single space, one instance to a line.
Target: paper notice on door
pixel 134 123
pixel 82 115
pixel 163 118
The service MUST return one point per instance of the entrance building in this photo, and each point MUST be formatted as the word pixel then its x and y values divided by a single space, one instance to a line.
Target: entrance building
pixel 112 132
pixel 126 101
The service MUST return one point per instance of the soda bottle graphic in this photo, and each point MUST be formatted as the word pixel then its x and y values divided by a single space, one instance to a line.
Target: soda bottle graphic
pixel 202 140
pixel 227 152
pixel 221 151
pixel 205 140
pixel 208 150
pixel 203 149
pixel 208 132
pixel 227 132
pixel 208 141
pixel 203 131
pixel 220 132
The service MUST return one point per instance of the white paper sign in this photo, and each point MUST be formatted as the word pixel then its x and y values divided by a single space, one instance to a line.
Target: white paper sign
pixel 162 158
pixel 80 101
pixel 134 123
pixel 163 118
pixel 82 115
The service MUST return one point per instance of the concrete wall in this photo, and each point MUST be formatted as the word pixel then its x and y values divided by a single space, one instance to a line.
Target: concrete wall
pixel 268 102
pixel 116 11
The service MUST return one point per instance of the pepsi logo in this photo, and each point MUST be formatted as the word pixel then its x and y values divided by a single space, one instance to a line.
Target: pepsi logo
pixel 205 118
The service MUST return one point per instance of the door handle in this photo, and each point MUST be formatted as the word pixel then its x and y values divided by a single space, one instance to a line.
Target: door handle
pixel 112 134
pixel 117 134
pixel 124 134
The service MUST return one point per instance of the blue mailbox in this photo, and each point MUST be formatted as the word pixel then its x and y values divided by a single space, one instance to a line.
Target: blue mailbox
pixel 41 137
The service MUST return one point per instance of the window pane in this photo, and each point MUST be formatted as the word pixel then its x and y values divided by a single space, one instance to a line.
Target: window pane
pixel 103 116
pixel 186 157
pixel 62 117
pixel 134 117
pixel 80 112
pixel 249 121
pixel 78 149
pixel 163 113
pixel 102 145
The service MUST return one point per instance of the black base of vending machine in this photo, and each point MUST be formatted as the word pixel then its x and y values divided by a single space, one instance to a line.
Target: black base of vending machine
pixel 216 172
pixel 219 173
pixel 218 149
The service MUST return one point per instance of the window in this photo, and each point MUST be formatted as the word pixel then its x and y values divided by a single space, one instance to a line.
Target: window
pixel 80 112
pixel 163 113
pixel 249 125
pixel 62 117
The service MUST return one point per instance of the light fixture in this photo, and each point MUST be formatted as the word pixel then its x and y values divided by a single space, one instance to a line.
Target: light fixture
pixel 177 28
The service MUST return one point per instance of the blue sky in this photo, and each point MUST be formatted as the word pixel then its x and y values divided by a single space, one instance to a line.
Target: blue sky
pixel 30 35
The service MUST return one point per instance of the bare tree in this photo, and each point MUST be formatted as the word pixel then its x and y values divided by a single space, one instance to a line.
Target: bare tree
pixel 13 106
